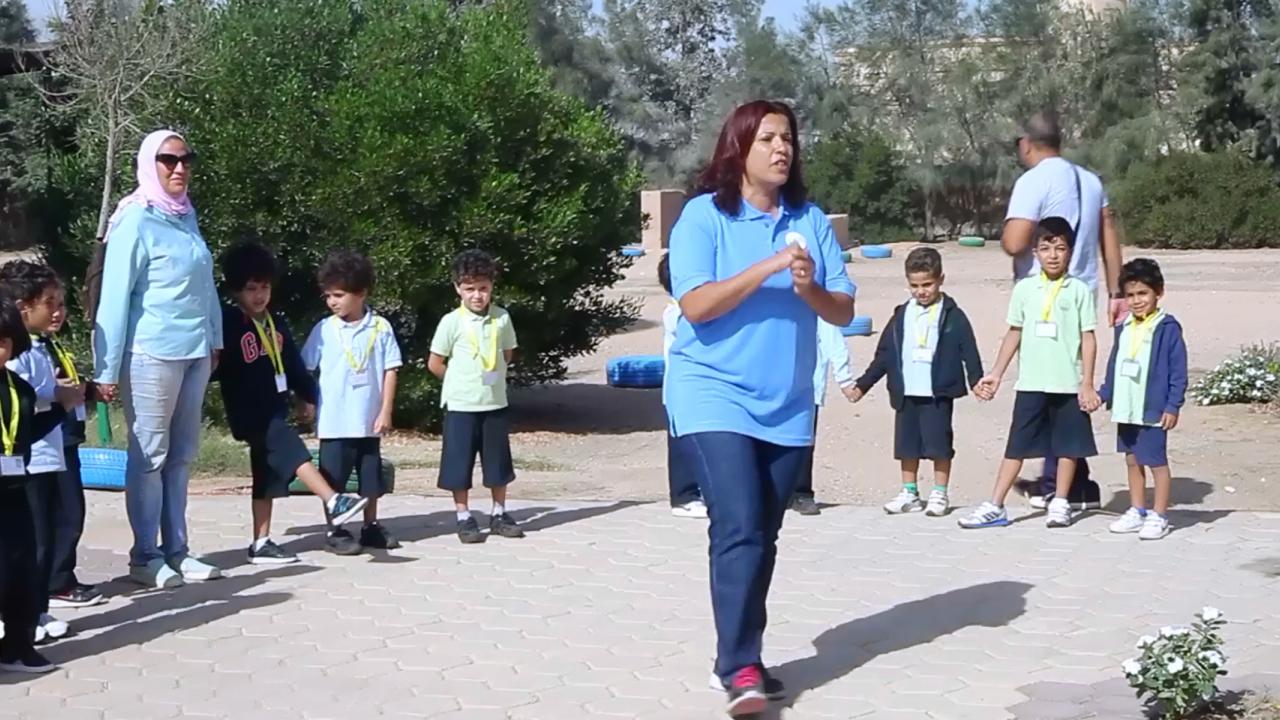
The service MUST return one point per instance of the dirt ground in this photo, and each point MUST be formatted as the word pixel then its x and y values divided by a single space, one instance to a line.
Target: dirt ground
pixel 582 439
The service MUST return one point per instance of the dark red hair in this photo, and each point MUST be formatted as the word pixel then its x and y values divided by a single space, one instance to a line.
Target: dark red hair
pixel 723 176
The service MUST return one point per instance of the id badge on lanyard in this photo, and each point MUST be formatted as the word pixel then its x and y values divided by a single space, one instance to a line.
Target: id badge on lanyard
pixel 1047 329
pixel 282 383
pixel 12 465
pixel 1131 369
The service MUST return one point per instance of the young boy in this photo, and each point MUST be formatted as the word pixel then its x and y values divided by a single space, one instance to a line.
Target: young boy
pixel 65 589
pixel 682 484
pixel 1051 323
pixel 927 353
pixel 470 352
pixel 358 357
pixel 37 291
pixel 21 585
pixel 833 355
pixel 1145 388
pixel 259 368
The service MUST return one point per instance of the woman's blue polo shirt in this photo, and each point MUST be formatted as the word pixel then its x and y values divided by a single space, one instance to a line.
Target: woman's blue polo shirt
pixel 749 371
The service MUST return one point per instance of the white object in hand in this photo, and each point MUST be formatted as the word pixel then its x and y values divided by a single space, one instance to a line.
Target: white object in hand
pixel 795 238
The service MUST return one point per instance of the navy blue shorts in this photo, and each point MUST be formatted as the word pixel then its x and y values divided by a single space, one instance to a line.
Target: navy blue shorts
pixel 1049 424
pixel 922 429
pixel 1148 445
pixel 274 458
pixel 467 435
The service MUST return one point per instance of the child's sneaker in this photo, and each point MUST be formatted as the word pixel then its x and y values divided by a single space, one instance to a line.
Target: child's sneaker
pixel 1130 522
pixel 805 505
pixel 1058 514
pixel 694 509
pixel 773 687
pixel 984 516
pixel 374 535
pixel 30 662
pixel 270 554
pixel 341 542
pixel 505 526
pixel 469 531
pixel 54 629
pixel 939 504
pixel 77 596
pixel 746 693
pixel 343 507
pixel 1154 528
pixel 904 502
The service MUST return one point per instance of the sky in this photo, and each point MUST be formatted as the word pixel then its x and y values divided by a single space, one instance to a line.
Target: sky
pixel 786 12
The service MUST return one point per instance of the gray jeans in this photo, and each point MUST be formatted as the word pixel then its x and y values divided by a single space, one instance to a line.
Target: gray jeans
pixel 163 402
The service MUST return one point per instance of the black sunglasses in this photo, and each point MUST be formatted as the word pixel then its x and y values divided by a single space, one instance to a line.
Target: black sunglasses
pixel 170 161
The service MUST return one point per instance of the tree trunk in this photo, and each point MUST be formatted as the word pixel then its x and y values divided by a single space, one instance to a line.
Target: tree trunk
pixel 109 169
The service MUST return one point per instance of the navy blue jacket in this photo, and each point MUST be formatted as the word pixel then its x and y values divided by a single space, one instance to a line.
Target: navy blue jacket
pixel 956 355
pixel 32 425
pixel 248 379
pixel 1166 372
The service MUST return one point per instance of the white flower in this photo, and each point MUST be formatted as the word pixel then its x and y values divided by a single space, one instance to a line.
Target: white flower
pixel 1174 666
pixel 1209 614
pixel 1131 667
pixel 1212 658
pixel 1168 631
pixel 1145 642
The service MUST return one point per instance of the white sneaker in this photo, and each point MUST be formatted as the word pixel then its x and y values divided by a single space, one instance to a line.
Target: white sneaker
pixel 984 516
pixel 193 569
pixel 1039 502
pixel 1154 528
pixel 53 627
pixel 1059 513
pixel 1130 522
pixel 155 574
pixel 1 629
pixel 939 504
pixel 41 634
pixel 904 502
pixel 692 509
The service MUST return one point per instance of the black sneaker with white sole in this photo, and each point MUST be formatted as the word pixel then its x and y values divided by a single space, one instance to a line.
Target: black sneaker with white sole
pixel 77 596
pixel 30 662
pixel 270 554
pixel 469 531
pixel 341 542
pixel 505 526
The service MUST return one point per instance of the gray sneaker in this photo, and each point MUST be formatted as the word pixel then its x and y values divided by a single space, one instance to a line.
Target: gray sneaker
pixel 193 569
pixel 156 574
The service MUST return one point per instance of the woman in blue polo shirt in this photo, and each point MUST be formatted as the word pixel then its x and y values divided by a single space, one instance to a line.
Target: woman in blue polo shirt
pixel 753 266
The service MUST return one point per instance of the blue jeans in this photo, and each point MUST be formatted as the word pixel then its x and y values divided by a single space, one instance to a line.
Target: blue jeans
pixel 163 402
pixel 682 481
pixel 746 484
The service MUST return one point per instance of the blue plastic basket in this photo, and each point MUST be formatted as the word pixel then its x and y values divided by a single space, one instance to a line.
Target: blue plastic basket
pixel 635 371
pixel 860 325
pixel 102 468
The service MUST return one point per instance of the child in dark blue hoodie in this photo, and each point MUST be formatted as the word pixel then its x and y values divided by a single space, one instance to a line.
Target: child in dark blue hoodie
pixel 926 351
pixel 1145 388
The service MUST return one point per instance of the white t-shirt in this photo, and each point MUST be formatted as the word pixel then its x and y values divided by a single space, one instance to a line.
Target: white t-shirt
pixel 350 399
pixel 670 322
pixel 1049 190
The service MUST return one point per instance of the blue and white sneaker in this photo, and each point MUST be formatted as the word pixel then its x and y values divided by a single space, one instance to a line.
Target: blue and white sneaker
pixel 984 516
pixel 343 507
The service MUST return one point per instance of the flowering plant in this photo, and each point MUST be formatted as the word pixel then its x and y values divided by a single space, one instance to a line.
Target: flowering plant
pixel 1178 669
pixel 1253 376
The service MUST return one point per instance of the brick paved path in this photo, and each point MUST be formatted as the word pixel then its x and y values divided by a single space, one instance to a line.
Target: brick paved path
pixel 602 612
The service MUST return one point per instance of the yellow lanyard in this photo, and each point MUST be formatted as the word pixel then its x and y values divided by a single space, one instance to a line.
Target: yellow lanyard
pixel 65 359
pixel 1053 295
pixel 488 361
pixel 1135 337
pixel 269 343
pixel 358 364
pixel 9 431
pixel 922 332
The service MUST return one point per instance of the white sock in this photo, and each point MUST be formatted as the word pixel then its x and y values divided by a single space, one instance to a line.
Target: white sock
pixel 498 509
pixel 261 542
pixel 464 515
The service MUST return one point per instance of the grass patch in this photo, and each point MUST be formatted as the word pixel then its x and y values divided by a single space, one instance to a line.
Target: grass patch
pixel 219 454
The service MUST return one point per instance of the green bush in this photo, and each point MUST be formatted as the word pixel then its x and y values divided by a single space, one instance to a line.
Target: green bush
pixel 1200 201
pixel 857 172
pixel 411 130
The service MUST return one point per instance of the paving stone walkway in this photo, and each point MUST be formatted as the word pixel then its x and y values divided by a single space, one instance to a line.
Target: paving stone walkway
pixel 603 612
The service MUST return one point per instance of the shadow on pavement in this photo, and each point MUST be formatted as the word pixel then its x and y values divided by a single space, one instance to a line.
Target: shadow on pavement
pixel 587 408
pixel 842 649
pixel 416 528
pixel 1184 491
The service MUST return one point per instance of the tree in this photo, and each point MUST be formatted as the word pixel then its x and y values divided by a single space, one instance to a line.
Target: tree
pixel 114 61
pixel 856 171
pixel 411 130
pixel 18 132
pixel 580 63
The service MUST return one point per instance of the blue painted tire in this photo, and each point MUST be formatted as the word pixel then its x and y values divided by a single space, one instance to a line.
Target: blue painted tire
pixel 102 468
pixel 876 252
pixel 632 252
pixel 860 325
pixel 635 371
pixel 353 483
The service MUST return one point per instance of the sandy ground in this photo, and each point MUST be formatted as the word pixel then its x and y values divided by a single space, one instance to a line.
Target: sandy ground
pixel 582 439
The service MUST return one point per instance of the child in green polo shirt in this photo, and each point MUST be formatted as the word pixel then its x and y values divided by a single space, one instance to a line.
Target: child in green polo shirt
pixel 1051 323
pixel 470 352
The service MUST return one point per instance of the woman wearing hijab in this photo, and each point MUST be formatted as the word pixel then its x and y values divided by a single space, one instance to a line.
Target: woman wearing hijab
pixel 157 335
pixel 753 266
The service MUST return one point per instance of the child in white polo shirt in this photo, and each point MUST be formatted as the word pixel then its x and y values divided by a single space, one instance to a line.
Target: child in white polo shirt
pixel 356 352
